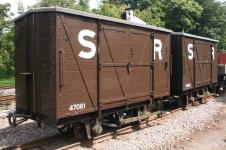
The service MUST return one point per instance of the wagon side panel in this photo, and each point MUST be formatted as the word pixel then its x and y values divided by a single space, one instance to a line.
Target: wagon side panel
pixel 125 60
pixel 162 64
pixel 76 59
pixel 188 63
pixel 202 56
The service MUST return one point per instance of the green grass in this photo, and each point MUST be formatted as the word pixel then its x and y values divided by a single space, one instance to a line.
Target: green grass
pixel 8 81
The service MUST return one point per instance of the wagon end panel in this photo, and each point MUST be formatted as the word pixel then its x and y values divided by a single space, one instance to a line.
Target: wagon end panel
pixel 162 64
pixel 202 56
pixel 35 46
pixel 125 65
pixel 45 65
pixel 177 65
pixel 188 63
pixel 76 59
pixel 21 57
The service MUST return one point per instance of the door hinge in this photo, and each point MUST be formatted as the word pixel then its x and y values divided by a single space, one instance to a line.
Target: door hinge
pixel 152 34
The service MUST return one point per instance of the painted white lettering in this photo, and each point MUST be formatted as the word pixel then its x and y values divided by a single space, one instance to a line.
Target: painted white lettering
pixel 190 51
pixel 83 42
pixel 188 85
pixel 77 106
pixel 158 48
pixel 213 52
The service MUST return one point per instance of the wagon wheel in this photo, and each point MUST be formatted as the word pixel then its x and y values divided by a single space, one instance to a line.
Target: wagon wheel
pixel 222 91
pixel 65 128
pixel 192 100
pixel 79 131
pixel 204 100
pixel 12 119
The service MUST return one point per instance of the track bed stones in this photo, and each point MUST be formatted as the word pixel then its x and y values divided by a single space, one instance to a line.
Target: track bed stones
pixel 23 133
pixel 7 91
pixel 171 130
pixel 7 105
pixel 163 134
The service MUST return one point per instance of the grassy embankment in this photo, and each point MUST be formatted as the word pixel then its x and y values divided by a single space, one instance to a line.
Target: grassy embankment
pixel 7 81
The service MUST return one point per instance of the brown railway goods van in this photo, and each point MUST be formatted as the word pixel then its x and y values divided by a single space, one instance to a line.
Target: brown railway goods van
pixel 71 64
pixel 194 63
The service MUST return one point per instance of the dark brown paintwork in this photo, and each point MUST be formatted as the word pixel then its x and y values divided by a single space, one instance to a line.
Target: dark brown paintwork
pixel 162 67
pixel 50 76
pixel 35 64
pixel 191 74
pixel 202 60
pixel 188 66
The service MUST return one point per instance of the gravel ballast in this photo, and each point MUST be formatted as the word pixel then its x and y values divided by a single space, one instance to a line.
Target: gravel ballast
pixel 174 129
pixel 5 92
pixel 164 135
pixel 23 133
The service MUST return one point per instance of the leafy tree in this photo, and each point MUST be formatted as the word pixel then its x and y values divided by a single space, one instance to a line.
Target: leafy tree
pixel 134 4
pixel 20 8
pixel 212 22
pixel 4 9
pixel 72 4
pixel 148 10
pixel 153 13
pixel 111 10
pixel 6 42
pixel 7 53
pixel 83 5
pixel 181 14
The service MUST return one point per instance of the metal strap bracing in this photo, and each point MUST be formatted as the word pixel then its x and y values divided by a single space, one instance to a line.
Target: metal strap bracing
pixel 98 71
pixel 27 62
pixel 35 49
pixel 168 77
pixel 80 70
pixel 211 63
pixel 151 70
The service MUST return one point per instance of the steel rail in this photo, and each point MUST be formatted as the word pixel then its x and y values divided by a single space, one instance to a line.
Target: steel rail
pixel 7 98
pixel 7 87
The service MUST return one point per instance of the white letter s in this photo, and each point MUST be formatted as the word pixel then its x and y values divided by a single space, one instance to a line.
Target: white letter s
pixel 190 50
pixel 83 42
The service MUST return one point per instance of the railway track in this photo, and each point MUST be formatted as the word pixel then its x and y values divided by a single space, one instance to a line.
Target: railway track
pixel 7 98
pixel 6 95
pixel 67 141
pixel 7 102
pixel 7 87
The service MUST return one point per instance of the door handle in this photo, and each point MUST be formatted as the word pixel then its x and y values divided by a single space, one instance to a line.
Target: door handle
pixel 25 73
pixel 61 65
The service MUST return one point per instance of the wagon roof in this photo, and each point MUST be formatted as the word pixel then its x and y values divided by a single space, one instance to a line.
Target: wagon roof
pixel 194 36
pixel 90 15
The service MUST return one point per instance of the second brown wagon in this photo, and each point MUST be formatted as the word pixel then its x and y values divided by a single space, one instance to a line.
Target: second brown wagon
pixel 194 65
